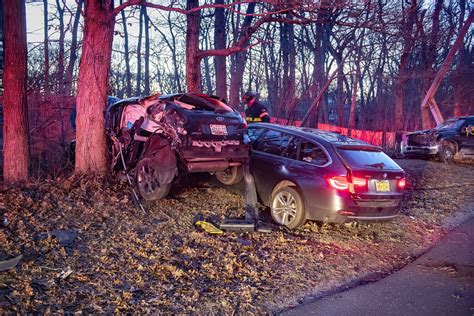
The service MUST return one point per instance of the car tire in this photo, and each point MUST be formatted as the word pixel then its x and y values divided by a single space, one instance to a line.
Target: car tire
pixel 230 176
pixel 148 178
pixel 447 153
pixel 287 208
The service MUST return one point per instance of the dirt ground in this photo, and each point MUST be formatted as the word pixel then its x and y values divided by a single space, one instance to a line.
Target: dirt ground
pixel 87 248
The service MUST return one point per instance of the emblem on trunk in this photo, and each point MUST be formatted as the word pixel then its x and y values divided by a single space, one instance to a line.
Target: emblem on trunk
pixel 384 176
pixel 220 118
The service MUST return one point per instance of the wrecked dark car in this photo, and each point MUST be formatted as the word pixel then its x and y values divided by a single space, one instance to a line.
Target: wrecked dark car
pixel 157 138
pixel 454 137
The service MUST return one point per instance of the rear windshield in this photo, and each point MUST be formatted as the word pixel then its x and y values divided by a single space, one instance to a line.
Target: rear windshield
pixel 367 159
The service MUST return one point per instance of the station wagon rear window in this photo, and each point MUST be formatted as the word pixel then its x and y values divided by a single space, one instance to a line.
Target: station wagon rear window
pixel 367 158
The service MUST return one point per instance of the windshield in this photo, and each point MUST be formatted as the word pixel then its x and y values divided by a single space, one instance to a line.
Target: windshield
pixel 367 159
pixel 450 124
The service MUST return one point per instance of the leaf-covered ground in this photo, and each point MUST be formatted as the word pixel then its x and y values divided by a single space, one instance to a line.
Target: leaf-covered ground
pixel 87 248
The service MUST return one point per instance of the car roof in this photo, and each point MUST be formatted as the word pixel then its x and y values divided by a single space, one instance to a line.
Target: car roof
pixel 315 134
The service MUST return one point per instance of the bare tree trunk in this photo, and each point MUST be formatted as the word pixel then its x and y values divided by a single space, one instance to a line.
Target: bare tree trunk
pixel 238 66
pixel 128 73
pixel 92 87
pixel 147 52
pixel 340 91
pixel 430 53
pixel 15 129
pixel 46 49
pixel 139 53
pixel 407 29
pixel 60 68
pixel 73 50
pixel 220 43
pixel 193 61
pixel 458 82
pixel 352 113
pixel 288 51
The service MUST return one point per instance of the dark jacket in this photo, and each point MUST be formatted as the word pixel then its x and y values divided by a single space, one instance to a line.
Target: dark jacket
pixel 257 113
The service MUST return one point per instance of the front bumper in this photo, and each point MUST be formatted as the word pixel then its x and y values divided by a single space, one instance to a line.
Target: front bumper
pixel 409 150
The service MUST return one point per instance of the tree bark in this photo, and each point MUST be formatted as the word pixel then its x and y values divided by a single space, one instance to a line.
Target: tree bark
pixel 92 87
pixel 220 43
pixel 15 129
pixel 193 61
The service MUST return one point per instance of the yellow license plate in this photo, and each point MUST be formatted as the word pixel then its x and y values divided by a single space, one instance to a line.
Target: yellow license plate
pixel 382 186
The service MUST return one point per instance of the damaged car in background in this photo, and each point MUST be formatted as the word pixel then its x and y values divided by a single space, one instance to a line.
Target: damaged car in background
pixel 454 137
pixel 156 138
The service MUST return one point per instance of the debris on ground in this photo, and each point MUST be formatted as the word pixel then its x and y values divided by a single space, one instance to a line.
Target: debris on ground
pixel 87 249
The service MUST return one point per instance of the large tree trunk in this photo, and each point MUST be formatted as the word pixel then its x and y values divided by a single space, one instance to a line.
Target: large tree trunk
pixel 92 87
pixel 193 61
pixel 220 43
pixel 15 129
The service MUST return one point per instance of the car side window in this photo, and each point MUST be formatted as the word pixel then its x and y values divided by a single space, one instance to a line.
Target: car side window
pixel 254 133
pixel 292 149
pixel 312 153
pixel 273 142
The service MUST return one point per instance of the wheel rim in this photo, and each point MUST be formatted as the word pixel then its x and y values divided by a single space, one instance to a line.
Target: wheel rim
pixel 226 174
pixel 147 180
pixel 448 154
pixel 284 208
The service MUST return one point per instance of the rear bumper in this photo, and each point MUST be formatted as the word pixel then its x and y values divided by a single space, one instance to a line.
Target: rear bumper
pixel 229 152
pixel 347 209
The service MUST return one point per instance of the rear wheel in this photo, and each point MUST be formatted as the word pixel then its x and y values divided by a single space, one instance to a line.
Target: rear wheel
pixel 287 208
pixel 447 153
pixel 149 180
pixel 230 176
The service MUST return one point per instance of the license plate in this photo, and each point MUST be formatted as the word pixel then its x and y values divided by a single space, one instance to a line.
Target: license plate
pixel 382 186
pixel 217 129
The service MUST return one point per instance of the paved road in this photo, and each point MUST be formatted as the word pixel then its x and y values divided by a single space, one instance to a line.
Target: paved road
pixel 441 282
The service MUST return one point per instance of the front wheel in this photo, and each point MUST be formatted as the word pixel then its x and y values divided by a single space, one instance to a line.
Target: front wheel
pixel 152 183
pixel 447 153
pixel 287 208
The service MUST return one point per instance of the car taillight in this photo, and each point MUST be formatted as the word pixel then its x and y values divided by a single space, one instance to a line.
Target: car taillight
pixel 339 182
pixel 359 182
pixel 402 183
pixel 342 183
